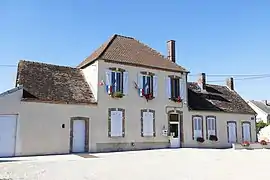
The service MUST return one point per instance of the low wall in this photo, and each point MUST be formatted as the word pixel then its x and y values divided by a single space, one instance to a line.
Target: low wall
pixel 238 146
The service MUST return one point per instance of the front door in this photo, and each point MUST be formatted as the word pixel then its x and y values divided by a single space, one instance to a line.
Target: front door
pixel 174 130
pixel 232 138
pixel 78 144
pixel 7 135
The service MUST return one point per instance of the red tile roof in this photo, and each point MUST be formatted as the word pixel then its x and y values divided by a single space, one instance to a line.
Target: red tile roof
pixel 127 50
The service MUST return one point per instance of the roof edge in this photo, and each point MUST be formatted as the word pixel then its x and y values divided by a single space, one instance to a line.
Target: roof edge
pixel 101 53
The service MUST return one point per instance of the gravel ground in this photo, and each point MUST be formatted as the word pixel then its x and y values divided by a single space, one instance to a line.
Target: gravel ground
pixel 177 164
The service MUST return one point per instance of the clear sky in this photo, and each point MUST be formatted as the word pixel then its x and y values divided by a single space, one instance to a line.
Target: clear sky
pixel 215 37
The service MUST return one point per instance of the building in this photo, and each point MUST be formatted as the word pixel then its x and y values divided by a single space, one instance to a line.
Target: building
pixel 124 96
pixel 262 108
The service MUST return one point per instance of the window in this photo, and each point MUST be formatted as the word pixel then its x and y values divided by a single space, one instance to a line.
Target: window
pixel 210 126
pixel 246 134
pixel 232 131
pixel 147 83
pixel 197 124
pixel 116 81
pixel 147 122
pixel 174 89
pixel 116 122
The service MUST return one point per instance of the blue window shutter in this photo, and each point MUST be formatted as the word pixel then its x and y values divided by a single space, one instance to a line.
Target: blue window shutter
pixel 108 74
pixel 168 87
pixel 155 86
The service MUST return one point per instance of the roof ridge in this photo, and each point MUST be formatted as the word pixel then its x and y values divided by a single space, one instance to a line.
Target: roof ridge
pixel 43 63
pixel 129 37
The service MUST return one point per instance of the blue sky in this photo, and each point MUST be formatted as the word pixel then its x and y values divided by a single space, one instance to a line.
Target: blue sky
pixel 215 37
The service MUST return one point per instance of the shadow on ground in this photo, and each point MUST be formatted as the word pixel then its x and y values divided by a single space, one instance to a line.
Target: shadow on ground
pixel 8 160
pixel 86 156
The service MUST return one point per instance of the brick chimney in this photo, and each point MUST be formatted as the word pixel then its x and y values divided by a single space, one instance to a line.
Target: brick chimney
pixel 202 81
pixel 171 50
pixel 230 83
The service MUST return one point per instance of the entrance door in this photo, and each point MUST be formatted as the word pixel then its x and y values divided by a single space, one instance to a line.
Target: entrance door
pixel 7 135
pixel 232 138
pixel 78 144
pixel 175 136
pixel 174 130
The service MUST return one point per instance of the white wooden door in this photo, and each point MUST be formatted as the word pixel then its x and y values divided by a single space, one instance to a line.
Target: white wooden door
pixel 246 132
pixel 175 134
pixel 78 144
pixel 232 132
pixel 7 135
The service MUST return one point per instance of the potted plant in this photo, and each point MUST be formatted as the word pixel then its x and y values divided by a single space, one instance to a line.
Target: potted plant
pixel 200 139
pixel 213 138
pixel 117 94
pixel 263 142
pixel 177 99
pixel 245 144
pixel 148 96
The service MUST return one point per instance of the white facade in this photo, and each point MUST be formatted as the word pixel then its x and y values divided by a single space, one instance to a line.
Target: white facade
pixel 261 115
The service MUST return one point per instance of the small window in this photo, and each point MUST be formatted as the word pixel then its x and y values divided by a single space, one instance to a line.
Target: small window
pixel 211 126
pixel 197 127
pixel 174 88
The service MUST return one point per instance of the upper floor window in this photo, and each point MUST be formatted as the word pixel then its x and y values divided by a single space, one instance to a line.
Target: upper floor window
pixel 147 83
pixel 174 90
pixel 116 81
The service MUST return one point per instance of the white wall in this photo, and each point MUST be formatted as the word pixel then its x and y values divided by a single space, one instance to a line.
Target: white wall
pixel 91 76
pixel 261 115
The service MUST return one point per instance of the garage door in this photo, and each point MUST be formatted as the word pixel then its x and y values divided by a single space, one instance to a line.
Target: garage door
pixel 7 135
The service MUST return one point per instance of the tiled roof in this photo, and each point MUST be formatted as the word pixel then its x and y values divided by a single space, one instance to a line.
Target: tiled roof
pixel 216 98
pixel 127 50
pixel 262 106
pixel 47 82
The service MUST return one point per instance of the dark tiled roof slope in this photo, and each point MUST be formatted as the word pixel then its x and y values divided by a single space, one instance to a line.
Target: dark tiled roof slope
pixel 54 83
pixel 127 50
pixel 216 98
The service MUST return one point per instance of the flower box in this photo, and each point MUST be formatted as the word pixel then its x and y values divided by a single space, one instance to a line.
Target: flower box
pixel 263 142
pixel 117 94
pixel 245 144
pixel 176 99
pixel 213 138
pixel 200 139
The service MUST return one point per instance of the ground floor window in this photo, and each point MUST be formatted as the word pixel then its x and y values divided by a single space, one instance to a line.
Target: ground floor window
pixel 211 128
pixel 246 131
pixel 116 122
pixel 197 126
pixel 147 122
pixel 232 131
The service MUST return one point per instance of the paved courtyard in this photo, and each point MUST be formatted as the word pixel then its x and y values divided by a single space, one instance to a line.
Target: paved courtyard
pixel 176 164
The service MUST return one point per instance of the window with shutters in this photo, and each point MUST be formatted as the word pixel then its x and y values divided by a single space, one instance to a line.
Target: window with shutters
pixel 148 123
pixel 116 82
pixel 211 126
pixel 197 126
pixel 246 131
pixel 175 88
pixel 147 85
pixel 116 122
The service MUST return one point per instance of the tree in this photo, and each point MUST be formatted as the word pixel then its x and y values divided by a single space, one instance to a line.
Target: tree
pixel 260 125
